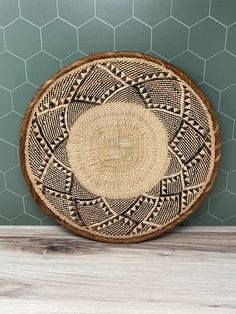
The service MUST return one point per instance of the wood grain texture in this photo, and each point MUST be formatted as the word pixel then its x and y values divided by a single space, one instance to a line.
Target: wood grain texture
pixel 48 270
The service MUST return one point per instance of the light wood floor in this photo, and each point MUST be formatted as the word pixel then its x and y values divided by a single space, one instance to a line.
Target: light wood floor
pixel 48 270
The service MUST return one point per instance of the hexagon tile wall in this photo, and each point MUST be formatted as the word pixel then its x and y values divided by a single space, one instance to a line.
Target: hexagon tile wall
pixel 38 37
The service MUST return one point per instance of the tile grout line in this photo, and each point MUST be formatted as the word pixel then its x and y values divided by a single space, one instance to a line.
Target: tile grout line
pixel 4 39
pixel 57 8
pixel 12 106
pixel 188 39
pixel 41 38
pixel 26 72
pixel 225 42
pixel 95 7
pixel 204 70
pixel 209 8
pixel 19 6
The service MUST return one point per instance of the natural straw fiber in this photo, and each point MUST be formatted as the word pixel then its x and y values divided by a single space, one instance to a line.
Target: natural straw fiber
pixel 119 147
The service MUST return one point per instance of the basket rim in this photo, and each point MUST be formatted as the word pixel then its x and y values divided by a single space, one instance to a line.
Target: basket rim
pixel 119 54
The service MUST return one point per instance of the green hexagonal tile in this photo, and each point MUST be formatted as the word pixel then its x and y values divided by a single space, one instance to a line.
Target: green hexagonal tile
pixel 207 38
pixel 59 38
pixel 226 126
pixel 228 156
pixel 10 64
pixel 220 70
pixel 9 11
pixel 2 182
pixel 47 221
pixel 11 205
pixel 154 54
pixel 22 38
pixel 201 210
pixel 4 221
pixel 211 93
pixel 169 38
pixel 152 11
pixel 10 128
pixel 40 67
pixel 15 181
pixel 234 135
pixel 22 96
pixel 5 100
pixel 191 65
pixel 72 58
pixel 95 36
pixel 25 220
pixel 231 43
pixel 39 12
pixel 32 208
pixel 8 157
pixel 232 182
pixel 224 11
pixel 207 220
pixel 2 44
pixel 190 11
pixel 133 36
pixel 227 101
pixel 114 12
pixel 230 221
pixel 220 183
pixel 223 205
pixel 76 12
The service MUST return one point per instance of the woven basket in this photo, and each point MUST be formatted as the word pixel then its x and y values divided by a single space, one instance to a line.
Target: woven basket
pixel 119 147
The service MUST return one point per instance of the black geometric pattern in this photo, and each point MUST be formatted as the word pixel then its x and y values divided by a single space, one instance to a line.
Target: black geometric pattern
pixel 191 146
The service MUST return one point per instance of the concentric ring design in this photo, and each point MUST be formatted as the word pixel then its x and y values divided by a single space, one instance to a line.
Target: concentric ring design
pixel 118 150
pixel 179 131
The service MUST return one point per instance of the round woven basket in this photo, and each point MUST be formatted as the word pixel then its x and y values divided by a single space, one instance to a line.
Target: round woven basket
pixel 119 147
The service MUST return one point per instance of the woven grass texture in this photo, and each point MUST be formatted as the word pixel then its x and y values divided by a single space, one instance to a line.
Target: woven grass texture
pixel 119 147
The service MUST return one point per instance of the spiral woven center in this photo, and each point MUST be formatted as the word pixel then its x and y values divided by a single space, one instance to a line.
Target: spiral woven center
pixel 118 150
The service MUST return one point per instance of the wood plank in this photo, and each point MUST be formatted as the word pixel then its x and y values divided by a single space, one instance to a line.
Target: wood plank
pixel 48 270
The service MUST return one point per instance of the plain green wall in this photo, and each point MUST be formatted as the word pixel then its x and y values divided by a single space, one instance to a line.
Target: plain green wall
pixel 38 37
